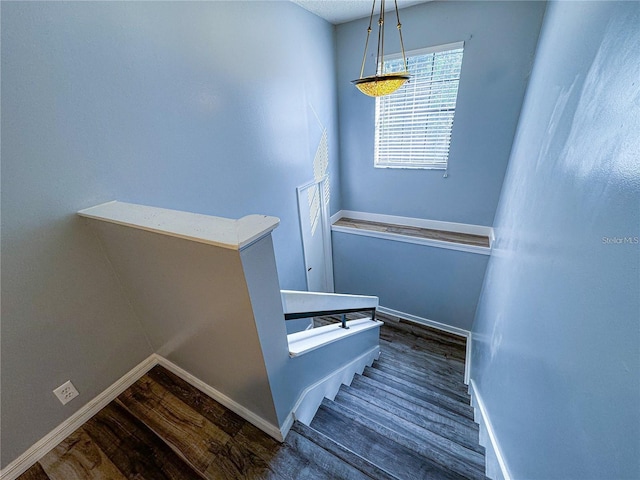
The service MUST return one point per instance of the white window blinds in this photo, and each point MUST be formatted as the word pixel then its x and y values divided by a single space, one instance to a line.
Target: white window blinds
pixel 413 125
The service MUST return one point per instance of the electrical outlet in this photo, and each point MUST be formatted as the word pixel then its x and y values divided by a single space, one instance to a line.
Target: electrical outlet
pixel 66 392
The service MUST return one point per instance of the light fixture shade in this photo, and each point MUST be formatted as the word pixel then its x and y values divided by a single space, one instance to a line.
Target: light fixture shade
pixel 380 85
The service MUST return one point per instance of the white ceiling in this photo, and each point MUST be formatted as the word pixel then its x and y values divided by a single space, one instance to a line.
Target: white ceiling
pixel 341 11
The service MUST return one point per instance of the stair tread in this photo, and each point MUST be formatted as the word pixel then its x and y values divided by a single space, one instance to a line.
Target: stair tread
pixel 434 347
pixel 397 460
pixel 455 375
pixel 441 450
pixel 324 463
pixel 424 379
pixel 451 340
pixel 418 354
pixel 442 426
pixel 342 452
pixel 420 392
pixel 423 407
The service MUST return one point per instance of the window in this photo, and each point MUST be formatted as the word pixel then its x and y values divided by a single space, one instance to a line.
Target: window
pixel 413 124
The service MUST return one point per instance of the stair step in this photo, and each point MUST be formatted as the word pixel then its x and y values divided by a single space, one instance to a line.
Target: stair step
pixel 321 462
pixel 428 344
pixel 441 450
pixel 451 430
pixel 420 363
pixel 449 339
pixel 418 354
pixel 342 452
pixel 422 393
pixel 424 379
pixel 378 449
pixel 453 374
pixel 413 403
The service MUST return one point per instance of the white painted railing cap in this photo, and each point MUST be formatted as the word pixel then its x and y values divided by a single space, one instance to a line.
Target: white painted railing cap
pixel 221 232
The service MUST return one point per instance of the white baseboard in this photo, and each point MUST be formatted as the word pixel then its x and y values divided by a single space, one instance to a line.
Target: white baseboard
pixel 264 425
pixel 467 359
pixel 75 421
pixel 438 326
pixel 496 467
pixel 425 321
pixel 311 398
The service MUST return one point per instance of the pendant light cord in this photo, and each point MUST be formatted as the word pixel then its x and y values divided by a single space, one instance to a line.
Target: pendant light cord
pixel 404 57
pixel 380 54
pixel 366 44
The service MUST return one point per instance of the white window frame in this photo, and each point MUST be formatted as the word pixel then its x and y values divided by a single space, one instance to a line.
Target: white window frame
pixel 422 163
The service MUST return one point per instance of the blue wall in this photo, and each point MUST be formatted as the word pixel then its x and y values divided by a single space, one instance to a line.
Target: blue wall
pixel 500 44
pixel 436 284
pixel 197 106
pixel 556 352
pixel 448 284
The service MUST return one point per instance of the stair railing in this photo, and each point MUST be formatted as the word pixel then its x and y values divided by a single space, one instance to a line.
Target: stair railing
pixel 298 304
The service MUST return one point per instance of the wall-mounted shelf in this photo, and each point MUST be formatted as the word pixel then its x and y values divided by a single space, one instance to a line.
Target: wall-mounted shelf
pixel 453 236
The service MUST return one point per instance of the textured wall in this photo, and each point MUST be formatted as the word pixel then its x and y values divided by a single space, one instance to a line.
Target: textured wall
pixel 199 106
pixel 556 353
pixel 449 281
pixel 500 40
pixel 440 285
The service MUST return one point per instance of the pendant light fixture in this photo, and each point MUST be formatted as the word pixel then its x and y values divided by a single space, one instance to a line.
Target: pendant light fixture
pixel 381 83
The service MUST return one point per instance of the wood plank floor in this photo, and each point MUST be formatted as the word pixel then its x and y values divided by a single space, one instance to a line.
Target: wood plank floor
pixel 428 233
pixel 406 417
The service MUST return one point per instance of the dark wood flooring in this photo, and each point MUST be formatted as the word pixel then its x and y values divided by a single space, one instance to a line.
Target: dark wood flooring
pixel 406 417
pixel 428 233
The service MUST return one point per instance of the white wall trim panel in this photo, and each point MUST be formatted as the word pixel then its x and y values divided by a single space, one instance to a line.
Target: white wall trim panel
pixel 496 466
pixel 415 222
pixel 75 421
pixel 310 399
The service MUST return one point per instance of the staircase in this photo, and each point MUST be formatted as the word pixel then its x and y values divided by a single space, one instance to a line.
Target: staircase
pixel 407 416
